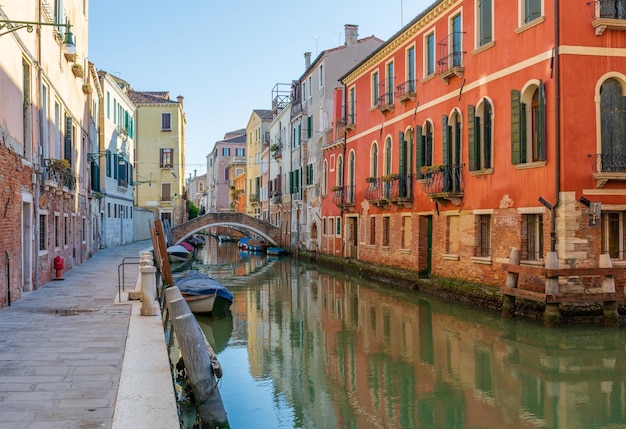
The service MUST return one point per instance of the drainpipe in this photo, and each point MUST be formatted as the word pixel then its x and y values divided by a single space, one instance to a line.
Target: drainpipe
pixel 557 125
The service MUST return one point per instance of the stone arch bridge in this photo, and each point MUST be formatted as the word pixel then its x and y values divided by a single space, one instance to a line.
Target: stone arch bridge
pixel 238 221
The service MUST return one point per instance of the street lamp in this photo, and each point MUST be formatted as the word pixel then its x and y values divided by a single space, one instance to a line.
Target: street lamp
pixel 69 48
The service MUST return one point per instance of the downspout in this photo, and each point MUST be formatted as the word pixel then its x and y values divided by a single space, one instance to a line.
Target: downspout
pixel 39 164
pixel 557 125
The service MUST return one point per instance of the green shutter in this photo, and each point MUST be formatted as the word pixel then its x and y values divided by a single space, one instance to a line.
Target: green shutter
pixel 410 151
pixel 445 139
pixel 541 123
pixel 516 127
pixel 95 177
pixel 420 149
pixel 473 138
pixel 402 154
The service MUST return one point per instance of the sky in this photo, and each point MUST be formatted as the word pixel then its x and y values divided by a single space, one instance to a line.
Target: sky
pixel 224 58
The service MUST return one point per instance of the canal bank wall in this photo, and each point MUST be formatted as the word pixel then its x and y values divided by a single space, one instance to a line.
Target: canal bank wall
pixel 461 291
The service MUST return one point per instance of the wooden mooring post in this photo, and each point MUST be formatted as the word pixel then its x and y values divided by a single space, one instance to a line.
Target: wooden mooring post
pixel 552 297
pixel 199 360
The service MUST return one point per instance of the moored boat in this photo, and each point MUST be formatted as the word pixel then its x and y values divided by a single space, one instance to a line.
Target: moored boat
pixel 178 253
pixel 276 251
pixel 204 294
pixel 252 245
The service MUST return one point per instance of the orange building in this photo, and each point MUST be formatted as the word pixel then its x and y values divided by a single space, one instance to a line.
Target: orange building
pixel 480 127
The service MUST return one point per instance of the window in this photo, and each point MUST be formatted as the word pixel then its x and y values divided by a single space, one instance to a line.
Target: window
pixel 389 84
pixel 406 232
pixel 351 106
pixel 457 42
pixel 57 231
pixel 528 125
pixel 372 230
pixel 452 235
pixel 387 156
pixel 410 70
pixel 429 50
pixel 483 235
pixel 166 189
pixel 374 160
pixel 339 171
pixel 338 226
pixel 166 159
pixel 375 87
pixel 309 174
pixel 226 173
pixel 309 126
pixel 43 232
pixel 480 136
pixel 386 231
pixel 166 122
pixel 612 230
pixel 531 10
pixel 324 220
pixel 66 232
pixel 532 237
pixel 613 127
pixel 240 151
pixel 424 146
pixel 225 151
pixel 325 178
pixel 484 22
pixel 321 75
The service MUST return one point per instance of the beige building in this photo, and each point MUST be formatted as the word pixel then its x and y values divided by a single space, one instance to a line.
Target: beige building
pixel 45 116
pixel 159 173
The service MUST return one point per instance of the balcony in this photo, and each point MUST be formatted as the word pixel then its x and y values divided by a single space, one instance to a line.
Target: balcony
pixel 406 91
pixel 608 167
pixel 343 197
pixel 450 62
pixel 384 103
pixel 443 182
pixel 277 197
pixel 58 175
pixel 609 15
pixel 390 189
pixel 349 121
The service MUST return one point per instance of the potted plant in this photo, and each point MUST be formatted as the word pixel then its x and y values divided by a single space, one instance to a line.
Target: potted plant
pixel 87 88
pixel 390 177
pixel 78 70
pixel 336 188
pixel 370 179
pixel 429 169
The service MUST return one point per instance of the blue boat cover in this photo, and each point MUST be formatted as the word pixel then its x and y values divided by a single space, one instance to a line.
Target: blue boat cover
pixel 197 283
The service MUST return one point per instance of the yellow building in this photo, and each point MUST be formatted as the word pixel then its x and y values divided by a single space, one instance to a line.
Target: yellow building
pixel 159 155
pixel 257 142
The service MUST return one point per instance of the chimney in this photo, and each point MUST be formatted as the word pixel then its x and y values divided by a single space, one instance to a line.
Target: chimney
pixel 307 60
pixel 352 34
pixel 180 99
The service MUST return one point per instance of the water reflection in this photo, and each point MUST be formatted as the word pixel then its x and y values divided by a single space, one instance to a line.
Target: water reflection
pixel 311 348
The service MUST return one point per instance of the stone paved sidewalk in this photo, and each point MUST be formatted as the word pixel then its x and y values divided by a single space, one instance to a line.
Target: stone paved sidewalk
pixel 62 347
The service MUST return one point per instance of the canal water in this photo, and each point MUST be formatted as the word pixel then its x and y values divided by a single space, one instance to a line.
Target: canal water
pixel 309 347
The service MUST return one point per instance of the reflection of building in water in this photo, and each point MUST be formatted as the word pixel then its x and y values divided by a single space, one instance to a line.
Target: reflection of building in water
pixel 342 353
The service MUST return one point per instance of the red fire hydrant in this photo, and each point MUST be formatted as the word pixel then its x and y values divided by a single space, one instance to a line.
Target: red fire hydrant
pixel 59 263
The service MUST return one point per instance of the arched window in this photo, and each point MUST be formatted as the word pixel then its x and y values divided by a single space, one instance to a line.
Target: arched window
pixel 424 146
pixel 613 127
pixel 339 171
pixel 374 160
pixel 349 194
pixel 480 135
pixel 388 144
pixel 325 178
pixel 528 125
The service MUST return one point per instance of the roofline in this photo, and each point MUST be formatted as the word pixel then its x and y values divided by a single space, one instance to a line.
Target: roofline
pixel 418 23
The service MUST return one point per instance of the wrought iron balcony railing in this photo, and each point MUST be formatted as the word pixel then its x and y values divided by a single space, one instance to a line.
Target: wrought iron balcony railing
pixel 56 171
pixel 609 162
pixel 343 196
pixel 445 181
pixel 615 9
pixel 450 62
pixel 397 188
pixel 406 91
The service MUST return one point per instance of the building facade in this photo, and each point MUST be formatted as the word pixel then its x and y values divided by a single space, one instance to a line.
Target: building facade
pixel 159 170
pixel 111 164
pixel 460 147
pixel 257 142
pixel 317 84
pixel 226 158
pixel 45 125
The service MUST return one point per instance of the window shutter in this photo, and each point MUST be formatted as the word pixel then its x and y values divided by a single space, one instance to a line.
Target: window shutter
pixel 402 154
pixel 409 152
pixel 445 139
pixel 473 138
pixel 95 177
pixel 68 139
pixel 541 123
pixel 420 149
pixel 516 126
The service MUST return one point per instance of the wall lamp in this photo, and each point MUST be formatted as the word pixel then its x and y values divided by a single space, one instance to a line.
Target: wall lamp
pixel 69 48
pixel 94 156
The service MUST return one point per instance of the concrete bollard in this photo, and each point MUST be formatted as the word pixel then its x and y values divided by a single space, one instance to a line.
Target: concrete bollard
pixel 148 291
